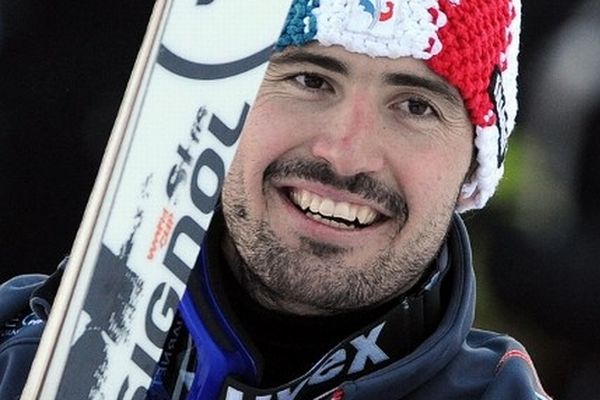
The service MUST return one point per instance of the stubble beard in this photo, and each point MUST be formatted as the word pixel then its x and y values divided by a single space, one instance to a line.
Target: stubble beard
pixel 316 278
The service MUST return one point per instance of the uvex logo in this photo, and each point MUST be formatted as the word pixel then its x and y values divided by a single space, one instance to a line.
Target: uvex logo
pixel 351 358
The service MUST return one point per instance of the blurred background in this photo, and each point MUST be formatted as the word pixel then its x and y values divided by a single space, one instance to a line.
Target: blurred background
pixel 63 70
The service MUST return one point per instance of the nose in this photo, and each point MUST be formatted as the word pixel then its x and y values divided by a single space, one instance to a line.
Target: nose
pixel 349 138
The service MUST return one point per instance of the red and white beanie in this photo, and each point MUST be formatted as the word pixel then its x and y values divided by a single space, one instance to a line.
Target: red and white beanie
pixel 473 44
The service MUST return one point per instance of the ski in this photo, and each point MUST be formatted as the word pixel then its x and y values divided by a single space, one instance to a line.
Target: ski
pixel 196 75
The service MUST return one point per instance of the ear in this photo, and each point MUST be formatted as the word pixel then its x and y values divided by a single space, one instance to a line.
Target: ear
pixel 467 198
pixel 464 202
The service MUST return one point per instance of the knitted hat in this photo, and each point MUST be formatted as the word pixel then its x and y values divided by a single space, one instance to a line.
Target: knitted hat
pixel 473 44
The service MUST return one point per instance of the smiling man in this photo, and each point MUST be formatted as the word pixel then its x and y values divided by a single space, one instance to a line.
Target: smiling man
pixel 347 176
pixel 337 266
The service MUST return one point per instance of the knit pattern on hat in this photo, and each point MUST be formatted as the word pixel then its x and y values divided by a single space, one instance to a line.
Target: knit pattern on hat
pixel 300 26
pixel 476 45
pixel 403 29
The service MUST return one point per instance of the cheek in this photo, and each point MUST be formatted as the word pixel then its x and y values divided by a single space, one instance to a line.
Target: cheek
pixel 431 175
pixel 271 131
pixel 269 134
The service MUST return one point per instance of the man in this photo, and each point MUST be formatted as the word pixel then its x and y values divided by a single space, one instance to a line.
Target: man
pixel 336 267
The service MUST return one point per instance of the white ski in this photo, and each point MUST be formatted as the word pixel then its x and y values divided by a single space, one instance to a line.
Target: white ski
pixel 195 78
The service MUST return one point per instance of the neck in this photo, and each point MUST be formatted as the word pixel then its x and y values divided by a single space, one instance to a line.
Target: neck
pixel 304 337
pixel 273 329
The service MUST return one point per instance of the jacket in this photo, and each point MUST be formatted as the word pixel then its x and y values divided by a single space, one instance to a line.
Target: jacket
pixel 456 361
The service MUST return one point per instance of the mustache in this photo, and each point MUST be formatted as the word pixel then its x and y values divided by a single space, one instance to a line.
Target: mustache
pixel 360 184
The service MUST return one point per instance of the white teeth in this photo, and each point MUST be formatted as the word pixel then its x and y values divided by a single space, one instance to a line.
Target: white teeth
pixel 303 199
pixel 366 215
pixel 315 204
pixel 328 208
pixel 342 210
pixel 329 222
pixel 352 212
pixel 295 198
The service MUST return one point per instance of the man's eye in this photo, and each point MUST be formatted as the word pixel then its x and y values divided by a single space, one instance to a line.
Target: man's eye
pixel 417 107
pixel 311 81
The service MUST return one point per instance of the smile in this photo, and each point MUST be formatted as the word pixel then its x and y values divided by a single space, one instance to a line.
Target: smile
pixel 342 215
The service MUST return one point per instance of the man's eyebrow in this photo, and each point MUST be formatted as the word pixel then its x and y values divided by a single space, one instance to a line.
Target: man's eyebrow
pixel 395 79
pixel 399 79
pixel 295 57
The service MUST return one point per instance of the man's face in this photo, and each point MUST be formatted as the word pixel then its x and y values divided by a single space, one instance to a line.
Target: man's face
pixel 345 180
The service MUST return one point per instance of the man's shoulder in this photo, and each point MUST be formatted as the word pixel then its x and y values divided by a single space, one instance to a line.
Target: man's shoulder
pixel 488 366
pixel 16 315
pixel 20 332
pixel 501 365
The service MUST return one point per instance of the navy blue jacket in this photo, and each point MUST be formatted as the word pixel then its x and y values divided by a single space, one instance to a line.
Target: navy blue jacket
pixel 20 334
pixel 455 362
